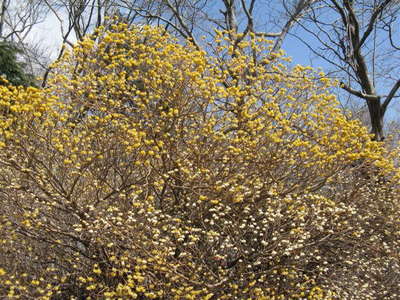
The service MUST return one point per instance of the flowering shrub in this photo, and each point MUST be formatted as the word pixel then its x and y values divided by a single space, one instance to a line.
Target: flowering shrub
pixel 150 170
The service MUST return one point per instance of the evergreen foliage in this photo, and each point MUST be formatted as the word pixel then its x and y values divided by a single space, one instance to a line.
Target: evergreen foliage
pixel 12 69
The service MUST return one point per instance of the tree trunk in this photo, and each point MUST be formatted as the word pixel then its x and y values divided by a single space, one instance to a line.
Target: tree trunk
pixel 376 116
pixel 3 9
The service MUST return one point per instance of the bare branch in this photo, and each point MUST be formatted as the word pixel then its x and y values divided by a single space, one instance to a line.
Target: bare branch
pixel 358 93
pixel 390 96
pixel 299 9
pixel 372 22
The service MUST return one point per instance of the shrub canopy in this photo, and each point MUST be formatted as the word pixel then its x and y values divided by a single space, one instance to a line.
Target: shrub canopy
pixel 150 170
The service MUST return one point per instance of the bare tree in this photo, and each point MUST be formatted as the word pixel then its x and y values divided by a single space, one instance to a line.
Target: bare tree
pixel 357 38
pixel 17 19
pixel 193 18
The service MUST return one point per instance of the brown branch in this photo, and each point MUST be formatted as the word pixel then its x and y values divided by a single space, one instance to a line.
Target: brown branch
pixel 182 23
pixel 293 18
pixel 390 97
pixel 358 93
pixel 372 21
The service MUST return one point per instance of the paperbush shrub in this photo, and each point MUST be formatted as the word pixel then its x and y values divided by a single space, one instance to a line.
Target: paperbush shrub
pixel 150 170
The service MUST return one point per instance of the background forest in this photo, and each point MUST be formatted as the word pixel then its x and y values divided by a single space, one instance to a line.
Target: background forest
pixel 170 149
